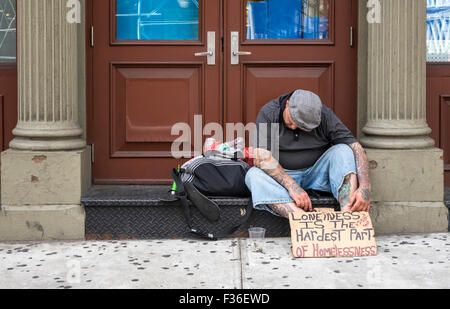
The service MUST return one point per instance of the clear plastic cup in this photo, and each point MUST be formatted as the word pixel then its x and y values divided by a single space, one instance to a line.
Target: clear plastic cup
pixel 256 233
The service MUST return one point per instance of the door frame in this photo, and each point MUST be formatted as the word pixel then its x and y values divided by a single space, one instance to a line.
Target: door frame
pixel 89 67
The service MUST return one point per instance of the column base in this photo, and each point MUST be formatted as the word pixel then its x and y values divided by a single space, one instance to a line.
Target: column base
pixel 409 217
pixel 406 175
pixel 44 178
pixel 51 144
pixel 398 134
pixel 41 194
pixel 407 191
pixel 401 142
pixel 47 136
pixel 36 223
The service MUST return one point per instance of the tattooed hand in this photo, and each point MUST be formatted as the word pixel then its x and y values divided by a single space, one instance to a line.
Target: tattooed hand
pixel 360 200
pixel 300 197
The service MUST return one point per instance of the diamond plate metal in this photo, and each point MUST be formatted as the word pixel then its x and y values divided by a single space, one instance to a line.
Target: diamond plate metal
pixel 138 212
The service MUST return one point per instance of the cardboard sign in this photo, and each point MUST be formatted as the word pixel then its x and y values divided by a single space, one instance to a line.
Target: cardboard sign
pixel 332 234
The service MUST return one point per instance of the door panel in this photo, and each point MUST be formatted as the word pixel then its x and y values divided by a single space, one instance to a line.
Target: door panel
pixel 142 127
pixel 147 81
pixel 280 64
pixel 263 82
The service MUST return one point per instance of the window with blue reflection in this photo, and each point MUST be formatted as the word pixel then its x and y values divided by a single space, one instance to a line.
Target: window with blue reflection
pixel 157 19
pixel 7 31
pixel 287 19
pixel 438 31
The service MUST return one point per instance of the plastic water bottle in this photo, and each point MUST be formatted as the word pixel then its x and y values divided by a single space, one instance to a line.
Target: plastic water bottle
pixel 210 144
pixel 174 184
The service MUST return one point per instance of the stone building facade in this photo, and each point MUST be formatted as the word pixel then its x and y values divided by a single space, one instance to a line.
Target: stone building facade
pixel 47 167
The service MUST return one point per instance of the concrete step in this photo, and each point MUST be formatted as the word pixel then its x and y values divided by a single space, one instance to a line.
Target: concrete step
pixel 139 212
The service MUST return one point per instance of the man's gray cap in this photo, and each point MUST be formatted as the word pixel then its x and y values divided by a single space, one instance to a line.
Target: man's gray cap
pixel 305 108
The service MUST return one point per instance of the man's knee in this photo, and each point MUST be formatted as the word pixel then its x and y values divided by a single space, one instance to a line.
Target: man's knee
pixel 342 152
pixel 253 174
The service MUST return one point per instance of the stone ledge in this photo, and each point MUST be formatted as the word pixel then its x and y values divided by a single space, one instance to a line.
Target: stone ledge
pixel 409 217
pixel 407 175
pixel 158 195
pixel 54 222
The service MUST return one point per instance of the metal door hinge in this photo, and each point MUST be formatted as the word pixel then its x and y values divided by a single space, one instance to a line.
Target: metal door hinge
pixel 92 36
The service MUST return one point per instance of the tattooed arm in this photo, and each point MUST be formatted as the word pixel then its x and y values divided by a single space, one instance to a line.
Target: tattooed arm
pixel 360 199
pixel 266 162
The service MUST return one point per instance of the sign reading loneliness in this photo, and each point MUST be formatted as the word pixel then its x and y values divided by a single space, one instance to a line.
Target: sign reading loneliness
pixel 332 234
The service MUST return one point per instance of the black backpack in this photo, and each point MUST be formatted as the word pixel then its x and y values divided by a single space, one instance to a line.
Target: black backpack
pixel 207 177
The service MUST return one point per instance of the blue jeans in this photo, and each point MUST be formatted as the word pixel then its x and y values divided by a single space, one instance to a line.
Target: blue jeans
pixel 327 175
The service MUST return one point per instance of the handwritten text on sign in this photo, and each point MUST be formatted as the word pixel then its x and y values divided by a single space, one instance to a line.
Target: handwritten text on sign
pixel 332 234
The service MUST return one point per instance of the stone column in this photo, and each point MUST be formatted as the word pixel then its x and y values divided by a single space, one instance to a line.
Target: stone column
pixel 406 171
pixel 397 78
pixel 47 78
pixel 47 168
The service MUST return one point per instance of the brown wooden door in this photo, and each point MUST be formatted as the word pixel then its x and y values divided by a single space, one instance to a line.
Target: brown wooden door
pixel 275 67
pixel 438 109
pixel 143 87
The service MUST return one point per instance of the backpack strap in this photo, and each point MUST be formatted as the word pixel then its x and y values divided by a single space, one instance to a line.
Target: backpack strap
pixel 181 193
pixel 231 231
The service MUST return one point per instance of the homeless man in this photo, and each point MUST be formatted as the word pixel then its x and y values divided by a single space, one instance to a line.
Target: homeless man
pixel 316 152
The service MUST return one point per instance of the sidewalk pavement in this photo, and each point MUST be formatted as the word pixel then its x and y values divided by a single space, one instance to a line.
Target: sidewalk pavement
pixel 406 261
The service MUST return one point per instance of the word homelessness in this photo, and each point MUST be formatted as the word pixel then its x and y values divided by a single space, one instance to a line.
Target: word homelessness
pixel 335 251
pixel 343 251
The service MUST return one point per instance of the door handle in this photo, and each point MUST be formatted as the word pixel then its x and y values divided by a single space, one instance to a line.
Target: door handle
pixel 211 53
pixel 241 53
pixel 208 53
pixel 235 52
